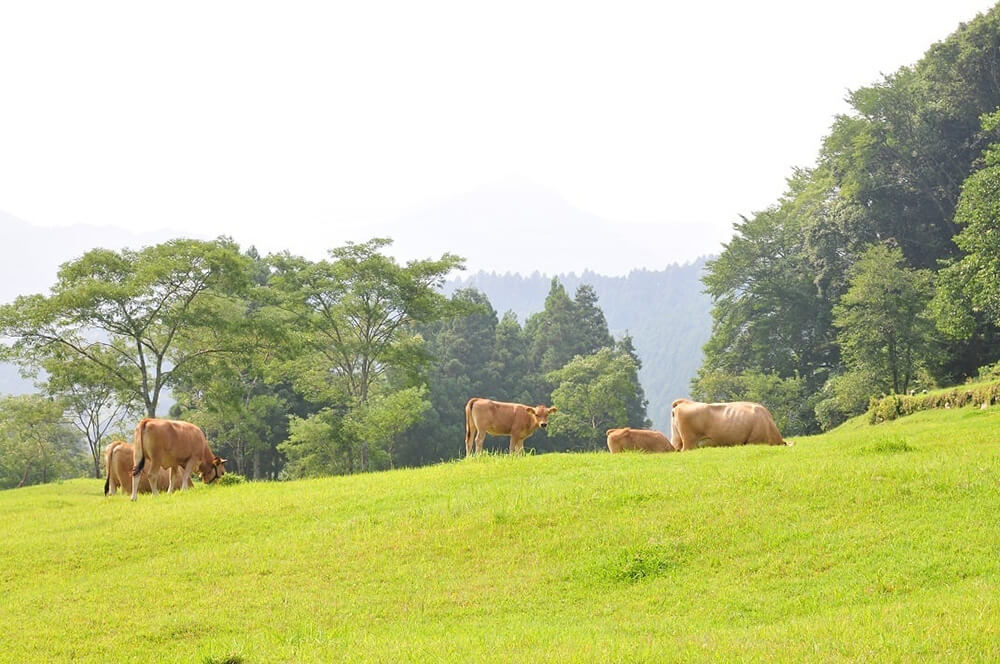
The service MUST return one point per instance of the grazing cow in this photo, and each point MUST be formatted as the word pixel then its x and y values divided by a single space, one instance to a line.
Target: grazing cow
pixel 119 461
pixel 169 443
pixel 500 418
pixel 736 423
pixel 644 440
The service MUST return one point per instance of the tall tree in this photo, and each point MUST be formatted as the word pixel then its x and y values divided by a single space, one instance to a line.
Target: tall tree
pixel 592 394
pixel 129 313
pixel 359 313
pixel 885 331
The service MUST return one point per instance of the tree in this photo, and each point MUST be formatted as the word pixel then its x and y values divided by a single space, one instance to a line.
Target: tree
pixel 130 313
pixel 380 421
pixel 359 313
pixel 884 329
pixel 92 407
pixel 592 394
pixel 238 397
pixel 36 445
pixel 971 284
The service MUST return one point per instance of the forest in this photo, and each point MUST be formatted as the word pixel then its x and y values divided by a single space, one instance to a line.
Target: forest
pixel 877 272
pixel 296 368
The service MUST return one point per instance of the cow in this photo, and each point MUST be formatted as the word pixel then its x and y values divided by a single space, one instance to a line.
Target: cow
pixel 119 461
pixel 500 418
pixel 644 440
pixel 168 443
pixel 735 423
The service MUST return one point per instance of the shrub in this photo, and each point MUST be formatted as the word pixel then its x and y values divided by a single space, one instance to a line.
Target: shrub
pixel 230 479
pixel 897 405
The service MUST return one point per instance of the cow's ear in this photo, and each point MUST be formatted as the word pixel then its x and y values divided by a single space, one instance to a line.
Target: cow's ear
pixel 218 461
pixel 553 409
pixel 530 409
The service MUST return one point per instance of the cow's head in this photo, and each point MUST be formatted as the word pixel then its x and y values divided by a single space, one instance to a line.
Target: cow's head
pixel 541 414
pixel 211 471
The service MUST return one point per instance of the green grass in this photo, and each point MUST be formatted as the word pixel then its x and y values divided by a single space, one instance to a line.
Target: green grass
pixel 868 543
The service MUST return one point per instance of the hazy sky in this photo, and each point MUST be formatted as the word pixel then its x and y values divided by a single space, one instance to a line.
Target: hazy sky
pixel 298 124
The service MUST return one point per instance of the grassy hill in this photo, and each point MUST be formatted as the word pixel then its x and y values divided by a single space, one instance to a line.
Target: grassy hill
pixel 867 543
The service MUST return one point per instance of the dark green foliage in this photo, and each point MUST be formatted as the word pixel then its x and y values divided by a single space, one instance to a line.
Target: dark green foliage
pixel 890 173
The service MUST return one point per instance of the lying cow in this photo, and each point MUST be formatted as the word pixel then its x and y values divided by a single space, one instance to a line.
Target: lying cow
pixel 169 443
pixel 119 461
pixel 736 423
pixel 483 416
pixel 644 440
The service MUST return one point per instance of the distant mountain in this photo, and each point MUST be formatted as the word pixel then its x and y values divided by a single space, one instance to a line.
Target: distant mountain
pixel 520 227
pixel 665 311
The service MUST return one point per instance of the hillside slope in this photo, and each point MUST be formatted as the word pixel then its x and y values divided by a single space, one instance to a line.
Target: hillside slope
pixel 865 543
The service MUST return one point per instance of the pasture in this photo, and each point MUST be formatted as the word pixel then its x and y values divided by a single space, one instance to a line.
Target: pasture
pixel 867 543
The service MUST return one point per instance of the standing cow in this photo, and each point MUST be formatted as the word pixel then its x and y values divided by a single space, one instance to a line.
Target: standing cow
pixel 645 440
pixel 483 416
pixel 168 443
pixel 735 423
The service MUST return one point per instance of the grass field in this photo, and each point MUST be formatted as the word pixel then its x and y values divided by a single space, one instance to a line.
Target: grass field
pixel 872 543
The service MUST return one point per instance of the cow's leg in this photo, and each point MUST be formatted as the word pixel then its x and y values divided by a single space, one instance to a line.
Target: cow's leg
pixel 516 445
pixel 480 437
pixel 185 474
pixel 135 487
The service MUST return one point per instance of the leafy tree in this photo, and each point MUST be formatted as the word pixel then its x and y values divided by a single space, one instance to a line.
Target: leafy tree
pixel 592 394
pixel 383 418
pixel 358 313
pixel 238 397
pixel 92 407
pixel 885 330
pixel 36 445
pixel 971 285
pixel 317 445
pixel 772 312
pixel 130 313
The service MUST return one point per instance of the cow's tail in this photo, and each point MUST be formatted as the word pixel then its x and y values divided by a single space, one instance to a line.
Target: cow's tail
pixel 109 452
pixel 468 424
pixel 140 458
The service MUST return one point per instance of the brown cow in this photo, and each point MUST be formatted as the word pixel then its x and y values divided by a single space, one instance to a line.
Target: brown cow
pixel 644 440
pixel 119 461
pixel 168 443
pixel 736 423
pixel 502 419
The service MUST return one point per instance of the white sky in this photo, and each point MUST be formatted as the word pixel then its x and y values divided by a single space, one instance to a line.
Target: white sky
pixel 298 124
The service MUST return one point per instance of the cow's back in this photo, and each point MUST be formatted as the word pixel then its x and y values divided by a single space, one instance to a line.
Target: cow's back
pixel 729 423
pixel 172 442
pixel 646 440
pixel 499 417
